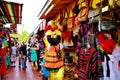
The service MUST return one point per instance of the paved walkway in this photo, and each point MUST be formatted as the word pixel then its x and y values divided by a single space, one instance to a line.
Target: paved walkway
pixel 20 74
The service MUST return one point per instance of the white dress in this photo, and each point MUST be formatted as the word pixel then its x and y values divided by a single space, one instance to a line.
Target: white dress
pixel 14 52
pixel 113 65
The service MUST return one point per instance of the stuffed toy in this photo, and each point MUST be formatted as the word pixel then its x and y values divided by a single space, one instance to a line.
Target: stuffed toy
pixel 53 47
pixel 53 51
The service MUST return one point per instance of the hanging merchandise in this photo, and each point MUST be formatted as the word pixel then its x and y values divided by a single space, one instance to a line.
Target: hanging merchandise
pixel 0 43
pixel 94 15
pixel 86 68
pixel 110 60
pixel 68 67
pixel 65 16
pixel 76 22
pixel 76 30
pixel 3 70
pixel 83 29
pixel 71 16
pixel 67 35
pixel 76 9
pixel 71 19
pixel 107 25
pixel 0 59
pixel 83 14
pixel 114 64
pixel 104 39
pixel 114 4
pixel 58 18
pixel 51 26
pixel 5 42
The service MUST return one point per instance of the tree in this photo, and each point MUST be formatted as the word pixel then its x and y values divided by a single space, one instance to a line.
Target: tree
pixel 24 36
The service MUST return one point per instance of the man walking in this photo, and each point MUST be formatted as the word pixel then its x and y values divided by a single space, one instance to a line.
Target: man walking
pixel 23 50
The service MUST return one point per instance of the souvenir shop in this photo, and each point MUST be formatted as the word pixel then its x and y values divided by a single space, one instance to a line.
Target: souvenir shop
pixel 81 39
pixel 9 13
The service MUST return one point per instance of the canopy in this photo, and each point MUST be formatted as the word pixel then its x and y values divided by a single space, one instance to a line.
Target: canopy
pixel 10 12
pixel 53 7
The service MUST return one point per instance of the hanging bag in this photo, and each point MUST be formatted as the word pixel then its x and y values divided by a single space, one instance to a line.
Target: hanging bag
pixel 107 25
pixel 70 21
pixel 65 16
pixel 94 15
pixel 83 13
pixel 114 3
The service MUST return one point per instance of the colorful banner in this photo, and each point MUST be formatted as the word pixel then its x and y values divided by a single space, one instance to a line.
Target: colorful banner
pixel 11 12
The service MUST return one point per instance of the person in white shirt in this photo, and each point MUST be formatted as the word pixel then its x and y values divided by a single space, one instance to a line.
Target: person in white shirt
pixel 13 54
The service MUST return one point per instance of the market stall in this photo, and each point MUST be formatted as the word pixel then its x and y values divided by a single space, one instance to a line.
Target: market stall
pixel 9 13
pixel 89 35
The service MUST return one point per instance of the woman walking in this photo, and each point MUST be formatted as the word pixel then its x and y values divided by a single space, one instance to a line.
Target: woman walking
pixel 33 56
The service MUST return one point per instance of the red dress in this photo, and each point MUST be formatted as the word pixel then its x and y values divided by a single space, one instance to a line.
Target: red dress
pixel 3 65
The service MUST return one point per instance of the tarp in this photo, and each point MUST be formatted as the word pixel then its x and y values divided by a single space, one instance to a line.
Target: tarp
pixel 10 12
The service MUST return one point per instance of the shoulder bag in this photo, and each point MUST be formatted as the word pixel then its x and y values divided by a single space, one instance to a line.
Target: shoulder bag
pixel 83 13
pixel 114 3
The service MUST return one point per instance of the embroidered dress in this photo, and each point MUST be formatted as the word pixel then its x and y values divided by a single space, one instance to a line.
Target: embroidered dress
pixel 113 65
pixel 87 64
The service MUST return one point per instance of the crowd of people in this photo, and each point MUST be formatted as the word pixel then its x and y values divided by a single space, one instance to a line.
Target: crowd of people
pixel 22 52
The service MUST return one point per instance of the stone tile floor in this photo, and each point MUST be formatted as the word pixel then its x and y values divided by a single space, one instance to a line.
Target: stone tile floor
pixel 16 73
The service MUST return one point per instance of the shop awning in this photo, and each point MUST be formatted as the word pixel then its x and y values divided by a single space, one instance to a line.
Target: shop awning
pixel 53 7
pixel 10 12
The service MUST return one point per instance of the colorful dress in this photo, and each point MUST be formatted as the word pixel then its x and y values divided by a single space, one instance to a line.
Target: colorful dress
pixel 86 68
pixel 33 54
pixel 3 51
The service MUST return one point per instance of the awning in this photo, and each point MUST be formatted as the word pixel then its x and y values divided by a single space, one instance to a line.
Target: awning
pixel 53 8
pixel 10 12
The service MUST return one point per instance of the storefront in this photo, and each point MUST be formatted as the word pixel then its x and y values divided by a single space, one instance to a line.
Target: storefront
pixel 85 36
pixel 9 13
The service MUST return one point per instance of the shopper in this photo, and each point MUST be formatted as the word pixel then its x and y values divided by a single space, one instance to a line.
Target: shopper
pixel 38 56
pixel 20 56
pixel 33 56
pixel 23 51
pixel 13 54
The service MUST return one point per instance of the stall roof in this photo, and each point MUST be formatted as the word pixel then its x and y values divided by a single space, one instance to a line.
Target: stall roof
pixel 10 12
pixel 53 7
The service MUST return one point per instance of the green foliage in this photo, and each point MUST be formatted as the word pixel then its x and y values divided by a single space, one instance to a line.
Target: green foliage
pixel 24 36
